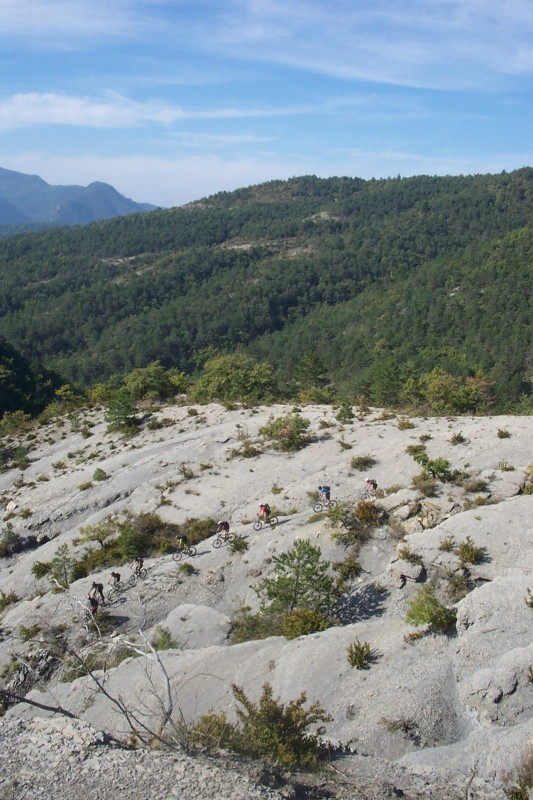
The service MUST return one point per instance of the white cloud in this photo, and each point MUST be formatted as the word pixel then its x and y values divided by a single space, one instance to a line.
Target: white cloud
pixel 114 111
pixel 60 23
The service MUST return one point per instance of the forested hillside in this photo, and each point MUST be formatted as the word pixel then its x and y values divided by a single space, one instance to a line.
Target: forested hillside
pixel 381 281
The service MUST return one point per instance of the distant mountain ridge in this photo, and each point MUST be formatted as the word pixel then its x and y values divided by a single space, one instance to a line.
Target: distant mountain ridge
pixel 27 200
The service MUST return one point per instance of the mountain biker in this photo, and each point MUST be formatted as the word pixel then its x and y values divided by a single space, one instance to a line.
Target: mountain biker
pixel 264 511
pixel 93 605
pixel 222 527
pixel 182 542
pixel 139 562
pixel 98 588
pixel 325 492
pixel 116 578
pixel 371 485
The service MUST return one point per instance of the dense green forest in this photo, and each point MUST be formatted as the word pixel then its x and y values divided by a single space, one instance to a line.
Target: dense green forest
pixel 380 282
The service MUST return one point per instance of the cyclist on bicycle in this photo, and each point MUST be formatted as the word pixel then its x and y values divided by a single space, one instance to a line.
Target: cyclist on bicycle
pixel 93 605
pixel 222 527
pixel 325 492
pixel 371 485
pixel 139 563
pixel 264 511
pixel 98 589
pixel 115 576
pixel 182 542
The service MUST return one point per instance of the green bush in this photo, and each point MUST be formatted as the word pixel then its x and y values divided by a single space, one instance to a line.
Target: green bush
pixel 360 655
pixel 288 433
pixel 426 609
pixel 469 553
pixel 7 599
pixel 280 732
pixel 406 554
pixel 345 413
pixel 28 633
pixel 362 463
pixel 348 569
pixel 234 377
pixel 10 541
pixel 302 621
pixel 163 640
pixel 247 627
pixel 99 475
pixel 41 568
pixel 238 545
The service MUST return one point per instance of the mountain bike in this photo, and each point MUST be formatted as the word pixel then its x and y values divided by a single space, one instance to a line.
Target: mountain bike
pixel 116 589
pixel 137 575
pixel 224 537
pixel 258 524
pixel 320 505
pixel 184 552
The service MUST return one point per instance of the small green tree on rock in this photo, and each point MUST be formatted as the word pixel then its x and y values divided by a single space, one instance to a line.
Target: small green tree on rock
pixel 301 580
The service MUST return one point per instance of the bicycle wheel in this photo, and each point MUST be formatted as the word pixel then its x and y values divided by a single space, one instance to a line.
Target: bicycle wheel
pixel 231 537
pixel 143 573
pixel 177 556
pixel 132 580
pixel 273 520
pixel 332 503
pixel 217 543
pixel 318 507
pixel 191 551
pixel 258 525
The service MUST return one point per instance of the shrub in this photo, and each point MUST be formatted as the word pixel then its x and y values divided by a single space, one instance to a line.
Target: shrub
pixel 99 475
pixel 406 554
pixel 405 424
pixel 302 621
pixel 459 584
pixel 367 512
pixel 360 655
pixel 85 485
pixel 163 640
pixel 234 377
pixel 447 545
pixel 345 413
pixel 289 433
pixel 503 433
pixel 186 568
pixel 426 609
pixel 458 438
pixel 362 463
pixel 425 484
pixel 10 541
pixel 278 732
pixel 7 599
pixel 415 449
pixel 246 449
pixel 186 472
pixel 246 626
pixel 469 553
pixel 238 545
pixel 348 569
pixel 41 568
pixel 28 633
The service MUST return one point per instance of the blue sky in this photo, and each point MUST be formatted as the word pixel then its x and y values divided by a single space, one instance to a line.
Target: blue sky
pixel 173 100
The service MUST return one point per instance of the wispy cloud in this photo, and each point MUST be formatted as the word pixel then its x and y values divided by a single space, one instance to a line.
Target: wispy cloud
pixel 62 23
pixel 114 111
pixel 442 44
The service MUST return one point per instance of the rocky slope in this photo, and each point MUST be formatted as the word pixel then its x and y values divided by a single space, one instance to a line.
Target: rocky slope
pixel 433 714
